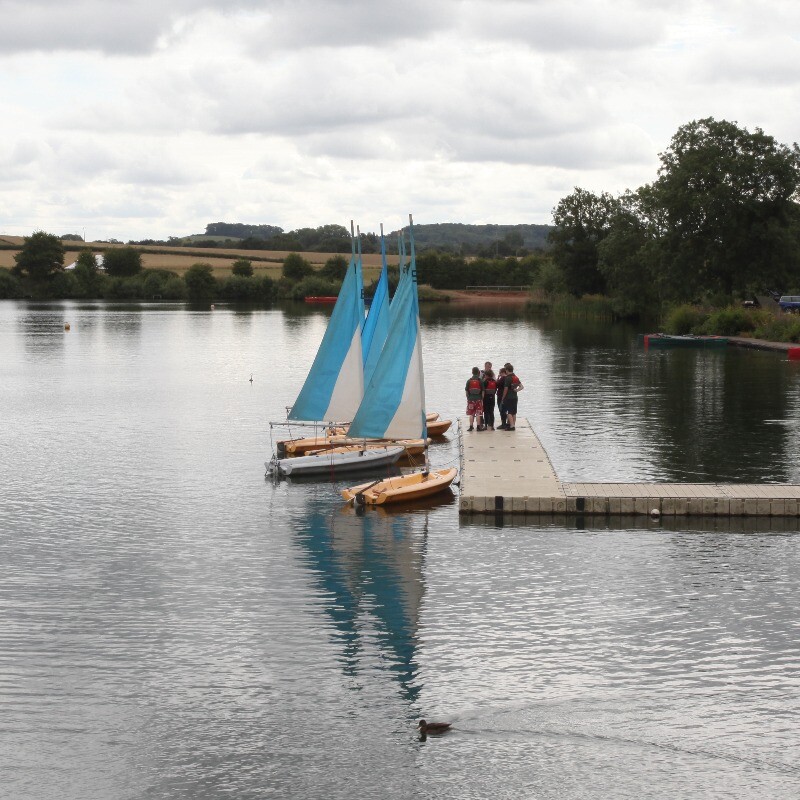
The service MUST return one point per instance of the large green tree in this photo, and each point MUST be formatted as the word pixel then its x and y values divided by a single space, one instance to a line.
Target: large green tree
pixel 728 203
pixel 122 262
pixel 582 219
pixel 200 284
pixel 41 256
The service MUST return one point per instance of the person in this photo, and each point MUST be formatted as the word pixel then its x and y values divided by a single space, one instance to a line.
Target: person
pixel 489 392
pixel 501 385
pixel 474 391
pixel 486 367
pixel 512 386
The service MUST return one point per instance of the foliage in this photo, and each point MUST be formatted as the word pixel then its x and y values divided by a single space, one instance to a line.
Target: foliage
pixel 586 307
pixel 41 257
pixel 200 284
pixel 727 201
pixel 295 267
pixel 428 295
pixel 243 267
pixel 10 286
pixel 122 262
pixel 583 220
pixel 335 268
pixel 313 286
pixel 730 321
pixel 550 279
pixel 239 230
pixel 785 328
pixel 684 319
pixel 448 271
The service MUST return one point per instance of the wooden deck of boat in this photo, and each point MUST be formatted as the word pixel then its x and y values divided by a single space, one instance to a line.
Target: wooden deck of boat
pixel 510 473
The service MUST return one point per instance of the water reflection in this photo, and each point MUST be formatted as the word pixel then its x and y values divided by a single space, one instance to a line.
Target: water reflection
pixel 369 570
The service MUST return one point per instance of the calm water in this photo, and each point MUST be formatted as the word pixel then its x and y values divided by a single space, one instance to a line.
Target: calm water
pixel 172 625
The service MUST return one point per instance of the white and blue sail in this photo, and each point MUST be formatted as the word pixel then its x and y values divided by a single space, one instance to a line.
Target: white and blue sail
pixel 394 399
pixel 334 386
pixel 376 326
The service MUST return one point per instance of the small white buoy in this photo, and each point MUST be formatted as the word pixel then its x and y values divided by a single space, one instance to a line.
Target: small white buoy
pixel 212 306
pixel 655 513
pixel 251 377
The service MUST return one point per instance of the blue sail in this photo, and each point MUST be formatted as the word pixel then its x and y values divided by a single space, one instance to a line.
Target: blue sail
pixel 376 326
pixel 394 399
pixel 335 383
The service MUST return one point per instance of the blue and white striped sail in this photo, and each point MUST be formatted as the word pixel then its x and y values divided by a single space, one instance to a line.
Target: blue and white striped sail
pixel 376 326
pixel 335 384
pixel 394 399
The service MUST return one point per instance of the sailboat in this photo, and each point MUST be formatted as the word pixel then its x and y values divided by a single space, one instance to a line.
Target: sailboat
pixel 393 405
pixel 333 391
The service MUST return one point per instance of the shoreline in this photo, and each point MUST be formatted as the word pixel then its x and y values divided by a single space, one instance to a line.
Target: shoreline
pixel 483 298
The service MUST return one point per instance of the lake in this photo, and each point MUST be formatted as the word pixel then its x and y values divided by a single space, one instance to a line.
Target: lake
pixel 174 625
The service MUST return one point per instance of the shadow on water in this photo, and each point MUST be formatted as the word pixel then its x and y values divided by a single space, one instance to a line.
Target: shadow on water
pixel 369 570
pixel 640 522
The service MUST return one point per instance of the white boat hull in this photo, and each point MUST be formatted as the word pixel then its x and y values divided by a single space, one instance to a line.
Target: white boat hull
pixel 326 462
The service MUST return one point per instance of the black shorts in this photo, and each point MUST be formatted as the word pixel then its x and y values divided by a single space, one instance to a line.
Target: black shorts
pixel 510 403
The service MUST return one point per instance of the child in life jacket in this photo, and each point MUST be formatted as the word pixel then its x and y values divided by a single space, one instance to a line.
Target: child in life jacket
pixel 489 392
pixel 474 390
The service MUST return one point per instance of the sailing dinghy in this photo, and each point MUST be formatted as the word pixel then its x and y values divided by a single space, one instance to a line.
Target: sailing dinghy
pixel 394 400
pixel 332 392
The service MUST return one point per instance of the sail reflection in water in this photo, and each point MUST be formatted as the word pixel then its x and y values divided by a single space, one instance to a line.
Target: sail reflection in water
pixel 370 569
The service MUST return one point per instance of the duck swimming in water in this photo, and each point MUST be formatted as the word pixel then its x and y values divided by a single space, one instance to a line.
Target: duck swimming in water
pixel 433 727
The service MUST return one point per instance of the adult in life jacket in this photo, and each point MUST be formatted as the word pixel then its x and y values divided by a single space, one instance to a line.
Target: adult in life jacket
pixel 489 392
pixel 511 386
pixel 474 391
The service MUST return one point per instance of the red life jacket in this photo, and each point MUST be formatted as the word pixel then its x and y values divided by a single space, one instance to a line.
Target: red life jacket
pixel 491 386
pixel 474 387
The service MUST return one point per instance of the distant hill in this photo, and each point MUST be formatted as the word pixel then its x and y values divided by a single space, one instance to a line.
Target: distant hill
pixel 456 237
pixel 472 238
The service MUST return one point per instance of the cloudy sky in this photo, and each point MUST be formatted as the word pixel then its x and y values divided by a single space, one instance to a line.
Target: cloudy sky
pixel 148 119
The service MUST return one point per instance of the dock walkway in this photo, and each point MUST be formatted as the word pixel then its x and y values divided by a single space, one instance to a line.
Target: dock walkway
pixel 510 473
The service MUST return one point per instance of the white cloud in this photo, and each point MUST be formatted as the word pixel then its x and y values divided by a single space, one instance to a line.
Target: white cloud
pixel 151 120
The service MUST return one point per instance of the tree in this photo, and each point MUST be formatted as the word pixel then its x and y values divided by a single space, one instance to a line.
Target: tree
pixel 729 203
pixel 41 256
pixel 335 268
pixel 295 267
pixel 122 261
pixel 582 221
pixel 200 284
pixel 243 267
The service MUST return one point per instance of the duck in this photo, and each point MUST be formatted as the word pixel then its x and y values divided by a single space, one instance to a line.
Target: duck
pixel 433 727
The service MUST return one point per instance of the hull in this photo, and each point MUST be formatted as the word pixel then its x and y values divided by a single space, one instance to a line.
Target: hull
pixel 439 428
pixel 431 416
pixel 403 488
pixel 665 340
pixel 319 444
pixel 341 459
pixel 319 299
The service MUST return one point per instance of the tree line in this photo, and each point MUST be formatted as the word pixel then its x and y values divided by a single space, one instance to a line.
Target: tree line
pixel 720 222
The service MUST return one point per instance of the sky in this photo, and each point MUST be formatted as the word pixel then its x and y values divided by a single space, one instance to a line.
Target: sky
pixel 151 119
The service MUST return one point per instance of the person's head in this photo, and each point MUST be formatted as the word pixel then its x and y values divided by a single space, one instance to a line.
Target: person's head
pixel 509 369
pixel 476 371
pixel 501 371
pixel 488 373
pixel 487 366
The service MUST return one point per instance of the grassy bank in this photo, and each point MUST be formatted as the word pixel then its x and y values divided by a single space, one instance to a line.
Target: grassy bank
pixel 733 321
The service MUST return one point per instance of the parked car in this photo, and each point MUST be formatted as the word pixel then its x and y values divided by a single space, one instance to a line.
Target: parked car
pixel 790 303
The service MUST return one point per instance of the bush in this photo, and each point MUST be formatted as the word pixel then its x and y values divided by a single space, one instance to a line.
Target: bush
pixel 10 286
pixel 335 268
pixel 239 289
pixel 242 267
pixel 729 321
pixel 684 319
pixel 314 286
pixel 295 267
pixel 200 284
pixel 778 329
pixel 122 262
